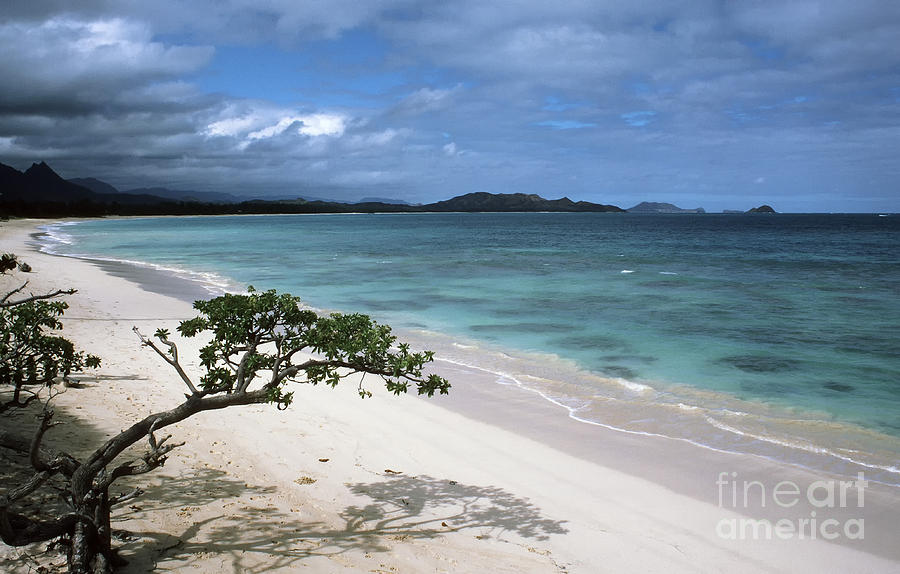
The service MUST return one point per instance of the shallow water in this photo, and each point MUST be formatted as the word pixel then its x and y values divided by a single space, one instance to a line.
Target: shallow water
pixel 740 333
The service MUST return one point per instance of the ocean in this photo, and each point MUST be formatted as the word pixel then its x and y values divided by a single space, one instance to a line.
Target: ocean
pixel 772 335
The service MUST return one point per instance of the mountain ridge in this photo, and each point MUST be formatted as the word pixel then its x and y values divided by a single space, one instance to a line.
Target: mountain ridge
pixel 41 192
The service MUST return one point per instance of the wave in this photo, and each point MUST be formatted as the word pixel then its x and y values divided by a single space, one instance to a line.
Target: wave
pixel 52 237
pixel 803 445
pixel 53 240
pixel 648 406
pixel 634 387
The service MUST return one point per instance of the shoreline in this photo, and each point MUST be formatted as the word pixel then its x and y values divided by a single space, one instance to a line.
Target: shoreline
pixel 172 282
pixel 664 494
pixel 799 436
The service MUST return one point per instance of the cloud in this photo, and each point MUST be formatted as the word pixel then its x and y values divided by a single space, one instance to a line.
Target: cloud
pixel 247 122
pixel 427 100
pixel 310 125
pixel 232 126
pixel 376 139
pixel 235 21
pixel 66 64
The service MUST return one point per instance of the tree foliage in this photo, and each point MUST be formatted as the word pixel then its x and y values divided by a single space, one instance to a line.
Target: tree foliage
pixel 260 342
pixel 259 337
pixel 33 355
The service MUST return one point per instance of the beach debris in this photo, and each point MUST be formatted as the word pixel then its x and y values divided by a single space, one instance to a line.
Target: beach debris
pixel 445 525
pixel 538 551
pixel 452 482
pixel 389 471
pixel 305 480
pixel 324 459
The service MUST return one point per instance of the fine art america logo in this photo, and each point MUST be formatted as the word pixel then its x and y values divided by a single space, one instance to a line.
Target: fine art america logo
pixel 800 512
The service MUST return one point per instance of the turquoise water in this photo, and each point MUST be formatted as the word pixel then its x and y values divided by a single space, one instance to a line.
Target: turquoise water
pixel 743 333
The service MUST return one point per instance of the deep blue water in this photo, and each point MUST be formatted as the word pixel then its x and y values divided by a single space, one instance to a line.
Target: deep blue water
pixel 795 312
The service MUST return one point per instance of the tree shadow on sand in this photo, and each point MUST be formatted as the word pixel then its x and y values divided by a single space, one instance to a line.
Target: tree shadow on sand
pixel 422 506
pixel 258 537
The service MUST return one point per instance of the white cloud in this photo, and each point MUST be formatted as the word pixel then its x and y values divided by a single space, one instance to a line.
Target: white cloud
pixel 232 126
pixel 322 125
pixel 309 125
pixel 274 130
pixel 264 123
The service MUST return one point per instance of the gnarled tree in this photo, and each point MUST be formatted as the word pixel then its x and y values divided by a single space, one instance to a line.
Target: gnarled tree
pixel 261 342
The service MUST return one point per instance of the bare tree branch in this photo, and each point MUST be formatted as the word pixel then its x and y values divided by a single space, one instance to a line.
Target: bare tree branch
pixel 125 497
pixel 171 358
pixel 5 302
pixel 34 453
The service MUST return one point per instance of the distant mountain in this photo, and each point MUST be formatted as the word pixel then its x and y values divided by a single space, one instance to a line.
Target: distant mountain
pixel 653 207
pixel 182 195
pixel 383 200
pixel 762 209
pixel 41 192
pixel 38 183
pixel 161 193
pixel 94 185
pixel 309 198
pixel 491 202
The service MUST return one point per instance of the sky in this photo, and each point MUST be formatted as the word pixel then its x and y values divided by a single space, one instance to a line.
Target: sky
pixel 714 104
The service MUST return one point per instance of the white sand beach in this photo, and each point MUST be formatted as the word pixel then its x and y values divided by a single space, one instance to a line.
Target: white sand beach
pixel 485 480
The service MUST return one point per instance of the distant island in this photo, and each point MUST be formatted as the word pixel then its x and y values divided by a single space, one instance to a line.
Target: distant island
pixel 653 207
pixel 41 192
pixel 482 201
pixel 762 209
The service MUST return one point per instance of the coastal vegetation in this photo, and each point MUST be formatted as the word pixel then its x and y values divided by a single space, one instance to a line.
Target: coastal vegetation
pixel 32 356
pixel 258 344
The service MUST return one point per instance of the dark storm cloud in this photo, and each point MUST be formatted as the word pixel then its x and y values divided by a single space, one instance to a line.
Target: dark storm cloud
pixel 65 66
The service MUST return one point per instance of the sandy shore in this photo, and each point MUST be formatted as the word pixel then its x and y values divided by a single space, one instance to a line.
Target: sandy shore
pixel 486 480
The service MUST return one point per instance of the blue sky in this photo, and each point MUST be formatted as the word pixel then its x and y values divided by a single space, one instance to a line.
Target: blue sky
pixel 724 105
